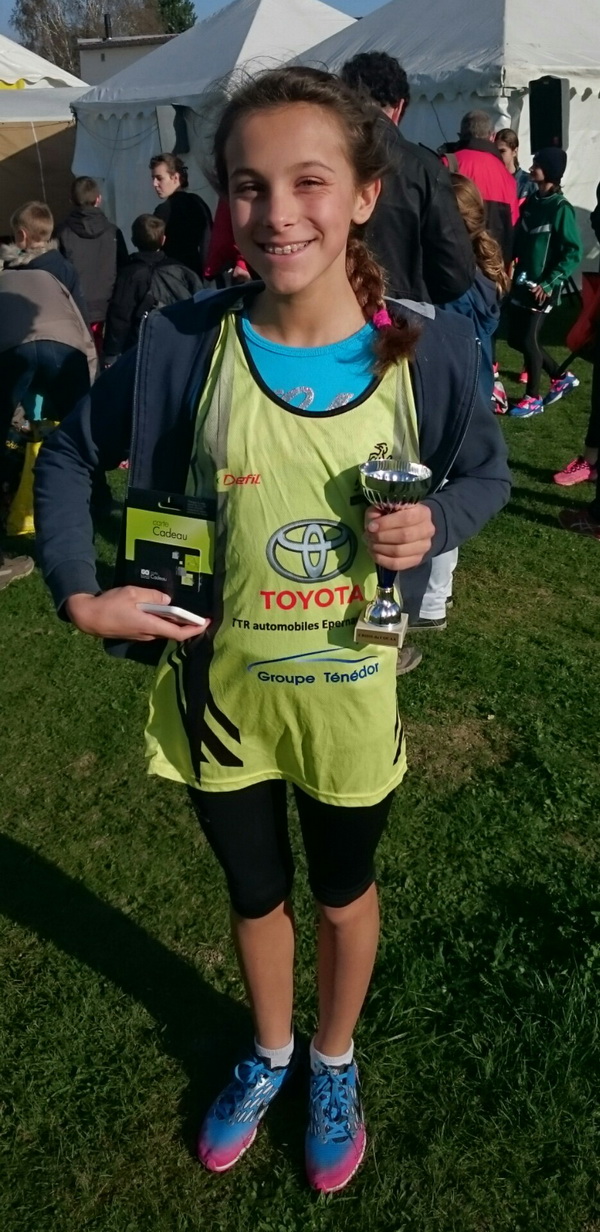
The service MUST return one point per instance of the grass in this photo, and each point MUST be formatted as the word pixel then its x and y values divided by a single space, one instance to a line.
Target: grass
pixel 120 1005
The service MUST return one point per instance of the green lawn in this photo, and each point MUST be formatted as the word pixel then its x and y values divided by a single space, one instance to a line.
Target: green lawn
pixel 120 1005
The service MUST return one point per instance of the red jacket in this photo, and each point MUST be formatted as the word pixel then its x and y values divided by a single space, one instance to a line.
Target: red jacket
pixel 481 162
pixel 223 253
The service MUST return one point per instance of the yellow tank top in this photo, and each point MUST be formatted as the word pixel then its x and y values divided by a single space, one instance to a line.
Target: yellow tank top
pixel 280 690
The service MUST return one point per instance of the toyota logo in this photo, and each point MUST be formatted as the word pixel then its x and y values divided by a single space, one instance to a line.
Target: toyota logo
pixel 306 551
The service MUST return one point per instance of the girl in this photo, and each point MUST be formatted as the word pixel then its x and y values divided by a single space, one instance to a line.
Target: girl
pixel 268 398
pixel 548 250
pixel 482 301
pixel 507 144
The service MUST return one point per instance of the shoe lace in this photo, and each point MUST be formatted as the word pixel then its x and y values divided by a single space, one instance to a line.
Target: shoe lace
pixel 334 1111
pixel 252 1083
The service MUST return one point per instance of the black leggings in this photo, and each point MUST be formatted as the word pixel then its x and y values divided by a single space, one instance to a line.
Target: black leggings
pixel 524 328
pixel 248 832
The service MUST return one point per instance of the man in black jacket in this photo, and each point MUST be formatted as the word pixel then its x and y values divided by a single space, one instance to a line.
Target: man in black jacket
pixel 94 246
pixel 149 280
pixel 416 231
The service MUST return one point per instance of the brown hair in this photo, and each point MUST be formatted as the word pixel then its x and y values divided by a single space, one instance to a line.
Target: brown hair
pixel 174 164
pixel 84 191
pixel 509 137
pixel 147 233
pixel 36 219
pixel 359 121
pixel 488 253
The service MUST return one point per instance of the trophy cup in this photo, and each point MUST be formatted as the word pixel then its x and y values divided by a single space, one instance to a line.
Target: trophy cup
pixel 388 483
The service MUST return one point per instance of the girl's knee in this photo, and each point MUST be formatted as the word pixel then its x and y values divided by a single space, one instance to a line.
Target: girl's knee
pixel 348 913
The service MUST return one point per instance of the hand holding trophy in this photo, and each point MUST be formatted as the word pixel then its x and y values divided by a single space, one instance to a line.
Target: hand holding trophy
pixel 388 484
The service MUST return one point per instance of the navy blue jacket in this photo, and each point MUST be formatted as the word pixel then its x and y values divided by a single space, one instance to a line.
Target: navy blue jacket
pixel 54 263
pixel 146 405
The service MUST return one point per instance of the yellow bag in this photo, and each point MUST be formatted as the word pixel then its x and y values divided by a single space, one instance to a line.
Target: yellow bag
pixel 20 516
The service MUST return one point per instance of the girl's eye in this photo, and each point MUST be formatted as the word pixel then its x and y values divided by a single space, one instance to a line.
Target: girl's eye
pixel 246 189
pixel 310 183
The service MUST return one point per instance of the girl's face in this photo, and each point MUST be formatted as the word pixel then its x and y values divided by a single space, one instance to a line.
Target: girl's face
pixel 293 197
pixel 508 155
pixel 536 174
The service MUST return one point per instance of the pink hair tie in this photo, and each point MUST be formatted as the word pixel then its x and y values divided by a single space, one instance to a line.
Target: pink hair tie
pixel 381 318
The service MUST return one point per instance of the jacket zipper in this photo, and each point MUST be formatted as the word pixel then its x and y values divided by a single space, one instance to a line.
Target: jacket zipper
pixel 468 419
pixel 136 390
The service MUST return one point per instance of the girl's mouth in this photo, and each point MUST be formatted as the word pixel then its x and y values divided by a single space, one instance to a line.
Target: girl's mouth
pixel 284 250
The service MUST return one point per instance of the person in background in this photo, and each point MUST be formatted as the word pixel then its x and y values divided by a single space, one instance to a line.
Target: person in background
pixel 507 144
pixel 586 521
pixel 482 304
pixel 95 247
pixel 416 232
pixel 548 249
pixel 149 280
pixel 186 216
pixel 46 350
pixel 223 256
pixel 32 226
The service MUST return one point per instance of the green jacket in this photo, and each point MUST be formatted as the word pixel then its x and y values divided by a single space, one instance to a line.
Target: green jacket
pixel 547 245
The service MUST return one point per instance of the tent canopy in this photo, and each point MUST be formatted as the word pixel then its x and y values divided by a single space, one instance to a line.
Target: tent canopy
pixel 19 64
pixel 27 106
pixel 247 32
pixel 450 47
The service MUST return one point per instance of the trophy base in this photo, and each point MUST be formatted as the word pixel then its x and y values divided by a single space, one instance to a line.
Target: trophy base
pixel 366 633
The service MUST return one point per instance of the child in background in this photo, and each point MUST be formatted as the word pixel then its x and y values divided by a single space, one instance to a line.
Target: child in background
pixel 483 299
pixel 95 247
pixel 507 144
pixel 149 280
pixel 548 250
pixel 32 226
pixel 294 381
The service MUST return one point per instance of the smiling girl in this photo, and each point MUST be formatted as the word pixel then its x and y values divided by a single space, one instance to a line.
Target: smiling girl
pixel 269 399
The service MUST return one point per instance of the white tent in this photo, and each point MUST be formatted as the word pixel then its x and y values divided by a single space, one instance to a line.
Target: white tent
pixel 37 130
pixel 125 120
pixel 459 55
pixel 23 69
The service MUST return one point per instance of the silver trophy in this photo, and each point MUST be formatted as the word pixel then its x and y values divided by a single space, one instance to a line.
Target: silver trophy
pixel 389 483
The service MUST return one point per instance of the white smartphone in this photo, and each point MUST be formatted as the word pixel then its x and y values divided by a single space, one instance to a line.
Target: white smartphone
pixel 177 614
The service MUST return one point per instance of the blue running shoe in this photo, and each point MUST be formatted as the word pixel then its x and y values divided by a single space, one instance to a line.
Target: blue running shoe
pixel 526 407
pixel 230 1125
pixel 336 1137
pixel 559 387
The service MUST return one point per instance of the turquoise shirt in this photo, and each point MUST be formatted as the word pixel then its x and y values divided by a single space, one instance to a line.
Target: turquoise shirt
pixel 313 379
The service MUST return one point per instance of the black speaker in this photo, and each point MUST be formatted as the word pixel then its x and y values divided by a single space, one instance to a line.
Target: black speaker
pixel 549 112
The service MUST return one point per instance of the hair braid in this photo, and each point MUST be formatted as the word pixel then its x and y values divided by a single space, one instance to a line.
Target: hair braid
pixel 396 340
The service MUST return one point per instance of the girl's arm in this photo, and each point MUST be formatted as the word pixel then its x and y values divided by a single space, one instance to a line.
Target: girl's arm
pixel 567 241
pixel 96 435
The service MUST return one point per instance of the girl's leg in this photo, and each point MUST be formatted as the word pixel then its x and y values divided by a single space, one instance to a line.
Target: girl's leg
pixel 265 950
pixel 348 938
pixel 247 831
pixel 532 354
pixel 340 846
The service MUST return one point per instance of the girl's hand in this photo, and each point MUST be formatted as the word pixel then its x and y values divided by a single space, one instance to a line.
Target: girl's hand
pixel 116 614
pixel 540 295
pixel 399 540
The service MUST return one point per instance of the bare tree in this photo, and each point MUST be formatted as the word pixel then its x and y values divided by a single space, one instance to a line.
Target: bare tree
pixel 52 27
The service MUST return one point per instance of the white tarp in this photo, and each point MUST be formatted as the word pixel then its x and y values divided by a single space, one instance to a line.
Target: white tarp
pixel 459 55
pixel 122 122
pixel 27 106
pixel 19 64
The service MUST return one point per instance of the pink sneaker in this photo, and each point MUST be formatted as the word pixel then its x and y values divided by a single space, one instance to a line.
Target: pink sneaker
pixel 523 379
pixel 577 471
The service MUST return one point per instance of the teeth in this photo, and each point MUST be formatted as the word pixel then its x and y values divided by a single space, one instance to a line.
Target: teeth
pixel 277 251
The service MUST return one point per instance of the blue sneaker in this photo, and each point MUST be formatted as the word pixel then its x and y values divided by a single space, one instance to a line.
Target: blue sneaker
pixel 230 1125
pixel 336 1137
pixel 526 407
pixel 559 387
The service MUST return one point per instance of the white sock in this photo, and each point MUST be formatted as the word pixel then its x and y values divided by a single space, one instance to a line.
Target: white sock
pixel 320 1058
pixel 277 1057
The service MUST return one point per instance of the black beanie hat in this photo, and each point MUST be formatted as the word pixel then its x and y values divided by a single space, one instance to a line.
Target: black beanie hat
pixel 553 162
